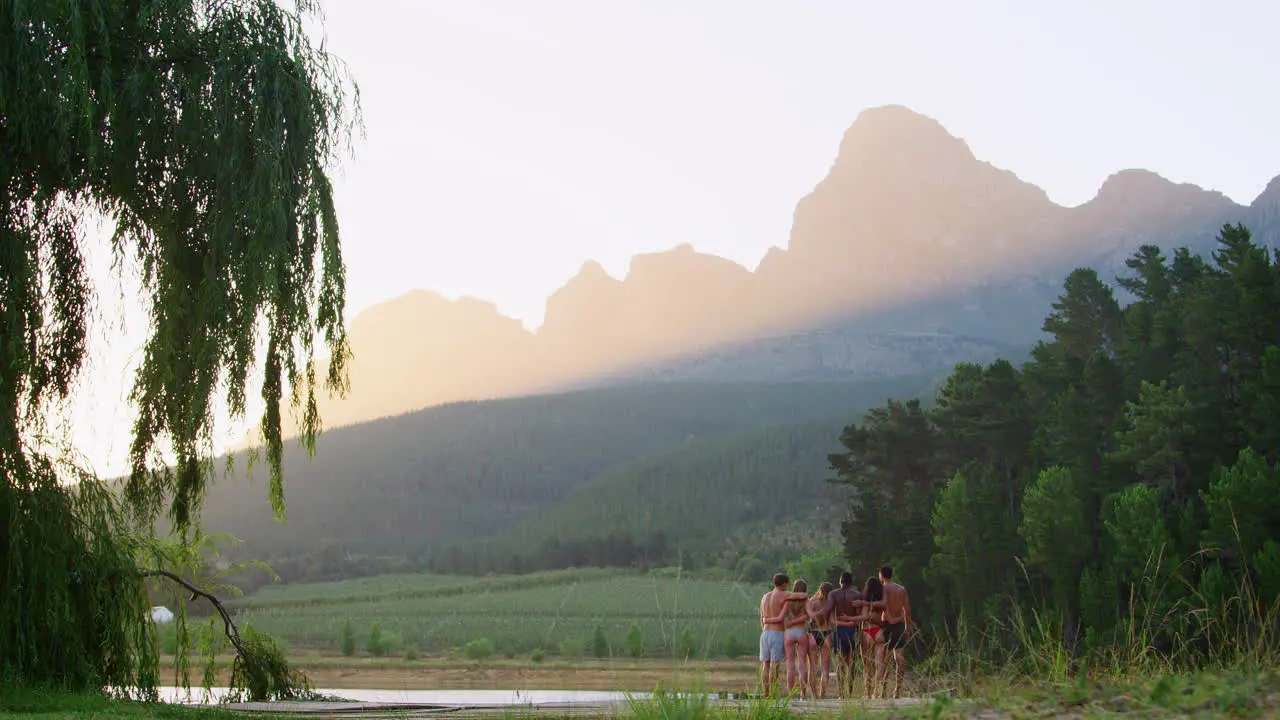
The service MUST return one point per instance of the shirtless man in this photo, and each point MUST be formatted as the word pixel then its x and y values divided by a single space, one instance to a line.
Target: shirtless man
pixel 896 622
pixel 772 642
pixel 842 603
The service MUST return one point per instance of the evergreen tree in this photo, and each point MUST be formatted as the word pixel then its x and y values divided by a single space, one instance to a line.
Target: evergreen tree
pixel 1131 462
pixel 889 463
pixel 1154 437
pixel 976 545
pixel 1054 527
pixel 1243 506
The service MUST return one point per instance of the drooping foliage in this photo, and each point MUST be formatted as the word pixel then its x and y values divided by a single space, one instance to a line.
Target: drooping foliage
pixel 1120 487
pixel 202 131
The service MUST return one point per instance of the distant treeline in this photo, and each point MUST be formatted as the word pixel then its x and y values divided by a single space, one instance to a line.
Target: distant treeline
pixel 616 549
pixel 1122 484
pixel 332 561
pixel 744 503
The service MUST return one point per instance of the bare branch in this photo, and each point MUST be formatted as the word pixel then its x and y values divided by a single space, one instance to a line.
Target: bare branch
pixel 232 632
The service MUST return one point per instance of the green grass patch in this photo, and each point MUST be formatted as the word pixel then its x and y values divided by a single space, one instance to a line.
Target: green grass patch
pixel 1227 694
pixel 555 612
pixel 39 704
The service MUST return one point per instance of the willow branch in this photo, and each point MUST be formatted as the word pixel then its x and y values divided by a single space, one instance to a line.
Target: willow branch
pixel 232 632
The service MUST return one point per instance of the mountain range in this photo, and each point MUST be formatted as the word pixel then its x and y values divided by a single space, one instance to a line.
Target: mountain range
pixel 910 255
pixel 689 407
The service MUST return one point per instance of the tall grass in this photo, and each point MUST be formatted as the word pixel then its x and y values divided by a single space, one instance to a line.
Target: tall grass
pixel 698 705
pixel 1174 621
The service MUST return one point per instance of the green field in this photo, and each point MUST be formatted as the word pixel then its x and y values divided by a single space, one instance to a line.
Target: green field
pixel 557 612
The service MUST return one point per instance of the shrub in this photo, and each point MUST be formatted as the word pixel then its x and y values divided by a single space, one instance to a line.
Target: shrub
pixel 734 647
pixel 479 649
pixel 599 643
pixel 537 655
pixel 635 641
pixel 374 644
pixel 167 636
pixel 348 640
pixel 411 654
pixel 688 646
pixel 392 643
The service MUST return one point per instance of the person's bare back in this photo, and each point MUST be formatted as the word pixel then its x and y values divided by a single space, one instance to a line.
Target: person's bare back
pixel 896 603
pixel 842 602
pixel 815 607
pixel 839 607
pixel 772 644
pixel 894 627
pixel 771 605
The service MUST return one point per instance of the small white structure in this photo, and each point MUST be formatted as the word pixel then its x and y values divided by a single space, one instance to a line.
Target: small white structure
pixel 161 615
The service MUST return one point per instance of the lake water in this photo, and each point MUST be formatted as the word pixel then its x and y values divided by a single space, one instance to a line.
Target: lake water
pixel 427 697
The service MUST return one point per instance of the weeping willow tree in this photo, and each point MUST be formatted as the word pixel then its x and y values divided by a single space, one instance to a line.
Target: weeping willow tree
pixel 203 131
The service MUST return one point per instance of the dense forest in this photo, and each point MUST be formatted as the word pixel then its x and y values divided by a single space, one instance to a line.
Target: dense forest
pixel 405 493
pixel 743 503
pixel 1122 481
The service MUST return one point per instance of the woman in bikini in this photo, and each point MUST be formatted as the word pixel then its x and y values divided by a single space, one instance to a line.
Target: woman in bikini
pixel 869 620
pixel 794 618
pixel 820 630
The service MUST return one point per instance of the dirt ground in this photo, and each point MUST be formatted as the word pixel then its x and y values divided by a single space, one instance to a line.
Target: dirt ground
pixel 444 674
pixel 528 678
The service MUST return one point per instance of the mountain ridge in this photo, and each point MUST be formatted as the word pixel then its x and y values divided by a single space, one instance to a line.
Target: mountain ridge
pixel 908 231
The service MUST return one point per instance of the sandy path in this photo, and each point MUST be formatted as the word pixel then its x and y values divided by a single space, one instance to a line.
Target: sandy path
pixel 439 673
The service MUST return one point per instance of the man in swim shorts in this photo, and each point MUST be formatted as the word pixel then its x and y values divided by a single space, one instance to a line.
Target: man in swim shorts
pixel 772 641
pixel 894 626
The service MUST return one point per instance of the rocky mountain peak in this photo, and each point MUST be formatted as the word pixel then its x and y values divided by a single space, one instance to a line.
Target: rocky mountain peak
pixel 1270 195
pixel 1144 188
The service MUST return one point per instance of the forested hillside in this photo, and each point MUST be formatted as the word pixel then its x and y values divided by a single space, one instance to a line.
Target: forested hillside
pixel 411 485
pixel 744 502
pixel 1123 480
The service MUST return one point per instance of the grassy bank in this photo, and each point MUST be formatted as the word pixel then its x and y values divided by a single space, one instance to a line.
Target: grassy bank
pixel 1238 693
pixel 53 705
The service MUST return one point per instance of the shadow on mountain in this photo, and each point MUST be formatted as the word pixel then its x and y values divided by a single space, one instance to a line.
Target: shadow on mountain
pixel 910 255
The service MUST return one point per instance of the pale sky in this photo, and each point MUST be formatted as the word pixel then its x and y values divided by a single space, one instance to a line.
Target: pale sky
pixel 509 142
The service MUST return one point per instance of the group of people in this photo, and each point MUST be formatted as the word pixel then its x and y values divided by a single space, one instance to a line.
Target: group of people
pixel 804 632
